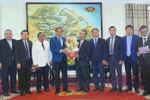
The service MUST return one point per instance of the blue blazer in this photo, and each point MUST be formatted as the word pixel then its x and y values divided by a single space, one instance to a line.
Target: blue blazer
pixel 55 48
pixel 118 48
pixel 133 47
pixel 98 54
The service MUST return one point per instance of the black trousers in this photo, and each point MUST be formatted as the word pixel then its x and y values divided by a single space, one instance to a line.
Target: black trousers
pixel 8 71
pixel 128 65
pixel 61 66
pixel 42 72
pixel 145 68
pixel 24 74
pixel 82 75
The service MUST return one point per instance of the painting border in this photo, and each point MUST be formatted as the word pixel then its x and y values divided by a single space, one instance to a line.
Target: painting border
pixel 27 3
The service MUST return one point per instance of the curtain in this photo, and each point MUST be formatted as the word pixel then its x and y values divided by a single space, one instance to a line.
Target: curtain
pixel 137 15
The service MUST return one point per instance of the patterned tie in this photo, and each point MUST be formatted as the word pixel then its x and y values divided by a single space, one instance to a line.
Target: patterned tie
pixel 111 47
pixel 27 51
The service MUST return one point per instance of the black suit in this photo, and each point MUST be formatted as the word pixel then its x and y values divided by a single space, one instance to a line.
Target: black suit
pixel 8 65
pixel 144 62
pixel 24 72
pixel 82 64
pixel 113 60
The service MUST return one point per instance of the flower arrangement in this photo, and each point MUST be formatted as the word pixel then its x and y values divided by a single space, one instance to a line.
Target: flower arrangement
pixel 72 50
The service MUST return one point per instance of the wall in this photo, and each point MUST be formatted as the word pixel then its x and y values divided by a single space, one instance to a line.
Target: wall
pixel 13 16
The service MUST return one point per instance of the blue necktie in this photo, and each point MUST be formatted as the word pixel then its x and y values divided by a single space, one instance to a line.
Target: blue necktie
pixel 27 51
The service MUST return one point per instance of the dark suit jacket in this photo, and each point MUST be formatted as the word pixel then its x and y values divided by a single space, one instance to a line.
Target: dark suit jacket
pixel 83 59
pixel 133 47
pixel 139 43
pixel 98 54
pixel 118 48
pixel 55 47
pixel 6 53
pixel 20 52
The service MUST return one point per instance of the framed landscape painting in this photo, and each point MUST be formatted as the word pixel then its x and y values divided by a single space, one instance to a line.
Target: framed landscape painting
pixel 72 17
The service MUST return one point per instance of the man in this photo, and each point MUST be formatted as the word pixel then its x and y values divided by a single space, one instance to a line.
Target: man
pixel 41 59
pixel 7 63
pixel 115 58
pixel 97 59
pixel 130 58
pixel 82 63
pixel 57 46
pixel 24 61
pixel 144 58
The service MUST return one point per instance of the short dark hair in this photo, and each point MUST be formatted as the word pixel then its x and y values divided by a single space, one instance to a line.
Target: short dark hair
pixel 24 31
pixel 83 31
pixel 58 28
pixel 129 26
pixel 40 33
pixel 112 27
pixel 95 29
pixel 143 27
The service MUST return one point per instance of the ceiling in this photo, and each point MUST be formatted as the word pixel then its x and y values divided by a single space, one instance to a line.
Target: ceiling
pixel 103 1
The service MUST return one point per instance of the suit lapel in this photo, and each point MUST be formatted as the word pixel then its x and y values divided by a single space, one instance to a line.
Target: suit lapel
pixel 148 40
pixel 7 44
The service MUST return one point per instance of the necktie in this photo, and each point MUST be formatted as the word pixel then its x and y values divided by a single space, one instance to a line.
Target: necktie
pixel 144 55
pixel 43 45
pixel 95 42
pixel 59 39
pixel 111 47
pixel 27 51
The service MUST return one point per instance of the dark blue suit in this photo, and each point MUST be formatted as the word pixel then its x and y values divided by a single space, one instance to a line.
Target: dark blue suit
pixel 131 61
pixel 82 64
pixel 8 65
pixel 96 56
pixel 114 59
pixel 60 61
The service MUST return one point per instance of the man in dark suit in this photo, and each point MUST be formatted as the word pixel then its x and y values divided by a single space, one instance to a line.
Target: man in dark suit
pixel 144 58
pixel 57 47
pixel 82 63
pixel 7 63
pixel 24 61
pixel 130 59
pixel 97 57
pixel 115 58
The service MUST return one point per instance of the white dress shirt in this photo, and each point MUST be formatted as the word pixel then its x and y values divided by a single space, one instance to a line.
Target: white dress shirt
pixel 40 56
pixel 10 43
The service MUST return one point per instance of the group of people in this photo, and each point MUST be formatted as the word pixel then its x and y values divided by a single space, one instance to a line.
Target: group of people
pixel 21 55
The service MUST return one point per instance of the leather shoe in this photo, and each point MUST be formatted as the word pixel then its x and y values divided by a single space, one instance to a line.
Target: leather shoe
pixel 39 91
pixel 127 89
pixel 28 92
pixel 137 91
pixel 145 93
pixel 101 89
pixel 14 91
pixel 66 90
pixel 6 94
pixel 57 92
pixel 96 88
pixel 22 94
pixel 113 89
pixel 119 90
pixel 79 89
pixel 86 90
pixel 47 90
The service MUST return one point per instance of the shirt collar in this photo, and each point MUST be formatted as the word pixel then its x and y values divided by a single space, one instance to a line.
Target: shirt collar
pixel 145 37
pixel 95 38
pixel 9 40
